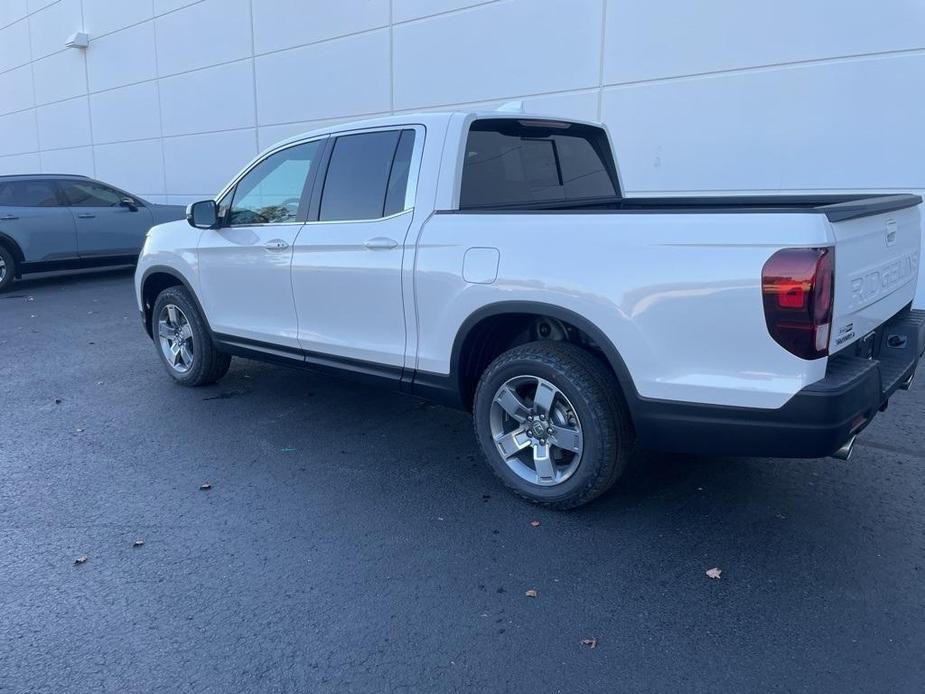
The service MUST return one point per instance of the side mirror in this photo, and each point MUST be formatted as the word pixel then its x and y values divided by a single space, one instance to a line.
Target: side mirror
pixel 202 214
pixel 129 203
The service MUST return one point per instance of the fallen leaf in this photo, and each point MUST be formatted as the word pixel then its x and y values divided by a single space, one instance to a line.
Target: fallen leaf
pixel 535 523
pixel 138 543
pixel 287 450
pixel 78 430
pixel 82 559
pixel 590 643
pixel 531 593
pixel 30 298
pixel 205 486
pixel 714 573
pixel 57 401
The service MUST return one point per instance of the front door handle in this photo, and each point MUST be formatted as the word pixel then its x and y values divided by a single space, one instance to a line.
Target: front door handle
pixel 86 215
pixel 8 218
pixel 276 245
pixel 380 243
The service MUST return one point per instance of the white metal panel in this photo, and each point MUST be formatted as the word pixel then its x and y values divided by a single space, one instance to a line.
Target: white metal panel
pixel 347 76
pixel 124 57
pixel 406 10
pixel 16 88
pixel 105 16
pixel 127 113
pixel 446 60
pixel 12 11
pixel 218 98
pixel 138 167
pixel 328 20
pixel 51 26
pixel 77 160
pixel 827 126
pixel 688 38
pixel 14 45
pixel 20 163
pixel 64 123
pixel 60 76
pixel 206 33
pixel 202 164
pixel 678 295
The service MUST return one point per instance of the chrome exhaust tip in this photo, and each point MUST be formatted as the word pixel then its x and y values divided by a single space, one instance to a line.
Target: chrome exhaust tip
pixel 844 453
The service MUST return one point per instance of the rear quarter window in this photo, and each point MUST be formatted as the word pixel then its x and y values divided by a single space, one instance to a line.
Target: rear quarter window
pixel 510 161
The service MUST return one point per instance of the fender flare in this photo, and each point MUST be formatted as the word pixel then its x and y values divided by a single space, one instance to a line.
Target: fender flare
pixel 611 353
pixel 176 274
pixel 10 244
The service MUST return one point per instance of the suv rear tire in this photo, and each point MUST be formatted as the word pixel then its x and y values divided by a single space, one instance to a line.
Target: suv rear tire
pixel 183 340
pixel 7 268
pixel 552 424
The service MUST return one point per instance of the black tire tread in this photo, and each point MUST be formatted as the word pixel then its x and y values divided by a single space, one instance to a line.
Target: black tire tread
pixel 213 364
pixel 586 373
pixel 10 261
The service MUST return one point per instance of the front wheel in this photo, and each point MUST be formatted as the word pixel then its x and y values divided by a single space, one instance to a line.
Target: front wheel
pixel 551 423
pixel 7 268
pixel 183 340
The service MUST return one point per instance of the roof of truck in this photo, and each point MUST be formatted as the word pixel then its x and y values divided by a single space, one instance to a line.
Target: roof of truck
pixel 425 119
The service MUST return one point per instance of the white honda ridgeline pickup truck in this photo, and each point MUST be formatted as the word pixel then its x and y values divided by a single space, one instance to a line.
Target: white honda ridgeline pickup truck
pixel 490 261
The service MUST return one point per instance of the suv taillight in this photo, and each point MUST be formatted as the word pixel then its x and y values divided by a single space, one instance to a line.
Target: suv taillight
pixel 797 285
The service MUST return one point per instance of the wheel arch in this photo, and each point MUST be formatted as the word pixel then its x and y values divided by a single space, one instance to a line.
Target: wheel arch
pixel 470 329
pixel 10 244
pixel 156 279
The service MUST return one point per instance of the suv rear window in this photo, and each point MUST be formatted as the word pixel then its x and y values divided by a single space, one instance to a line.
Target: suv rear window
pixel 512 161
pixel 28 194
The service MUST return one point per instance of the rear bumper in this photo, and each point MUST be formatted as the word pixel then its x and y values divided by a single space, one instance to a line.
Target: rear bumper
pixel 815 423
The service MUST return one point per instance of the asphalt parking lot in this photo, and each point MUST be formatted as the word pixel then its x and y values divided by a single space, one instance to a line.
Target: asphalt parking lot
pixel 353 540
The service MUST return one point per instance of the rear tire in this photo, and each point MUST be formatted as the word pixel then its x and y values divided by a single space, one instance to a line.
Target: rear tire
pixel 183 340
pixel 552 424
pixel 7 268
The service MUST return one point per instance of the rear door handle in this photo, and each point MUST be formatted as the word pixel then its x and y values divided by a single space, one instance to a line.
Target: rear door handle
pixel 276 245
pixel 380 243
pixel 86 215
pixel 8 218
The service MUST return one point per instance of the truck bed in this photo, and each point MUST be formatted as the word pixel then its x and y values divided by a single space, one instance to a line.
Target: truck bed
pixel 836 208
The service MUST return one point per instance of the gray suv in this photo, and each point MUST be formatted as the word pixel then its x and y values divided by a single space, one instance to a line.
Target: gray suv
pixel 58 222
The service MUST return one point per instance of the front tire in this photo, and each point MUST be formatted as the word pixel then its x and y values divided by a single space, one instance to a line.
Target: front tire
pixel 183 341
pixel 7 268
pixel 552 424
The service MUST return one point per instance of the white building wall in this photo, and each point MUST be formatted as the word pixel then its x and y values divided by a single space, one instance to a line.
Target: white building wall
pixel 172 96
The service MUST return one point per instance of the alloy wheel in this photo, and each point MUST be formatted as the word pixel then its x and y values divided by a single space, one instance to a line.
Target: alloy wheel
pixel 176 338
pixel 536 430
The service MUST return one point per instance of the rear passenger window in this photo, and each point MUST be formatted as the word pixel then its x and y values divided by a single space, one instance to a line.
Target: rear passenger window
pixel 28 194
pixel 398 180
pixel 512 161
pixel 368 176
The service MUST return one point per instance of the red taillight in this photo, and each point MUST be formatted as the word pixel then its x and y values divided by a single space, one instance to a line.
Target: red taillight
pixel 797 286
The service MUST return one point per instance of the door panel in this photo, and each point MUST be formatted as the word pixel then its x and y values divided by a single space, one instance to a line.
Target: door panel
pixel 103 231
pixel 246 290
pixel 347 265
pixel 104 225
pixel 32 215
pixel 244 266
pixel 346 279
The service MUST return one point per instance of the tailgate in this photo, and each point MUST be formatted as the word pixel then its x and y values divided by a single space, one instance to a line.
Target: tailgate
pixel 876 268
